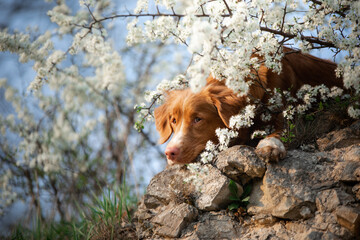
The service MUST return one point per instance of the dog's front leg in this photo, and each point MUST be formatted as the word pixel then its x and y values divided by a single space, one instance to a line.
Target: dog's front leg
pixel 271 149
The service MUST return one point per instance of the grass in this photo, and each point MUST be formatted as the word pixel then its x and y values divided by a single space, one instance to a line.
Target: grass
pixel 43 230
pixel 107 217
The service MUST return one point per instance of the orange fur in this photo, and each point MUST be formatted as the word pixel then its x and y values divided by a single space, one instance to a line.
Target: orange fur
pixel 192 118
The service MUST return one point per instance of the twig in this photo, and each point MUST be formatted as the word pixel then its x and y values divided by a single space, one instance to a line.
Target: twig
pixel 228 8
pixel 283 19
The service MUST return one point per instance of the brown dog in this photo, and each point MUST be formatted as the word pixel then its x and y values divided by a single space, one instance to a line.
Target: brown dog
pixel 192 118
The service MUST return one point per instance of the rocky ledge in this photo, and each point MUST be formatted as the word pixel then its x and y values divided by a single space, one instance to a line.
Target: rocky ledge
pixel 311 194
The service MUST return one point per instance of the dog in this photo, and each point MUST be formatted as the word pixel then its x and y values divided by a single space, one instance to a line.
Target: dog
pixel 192 118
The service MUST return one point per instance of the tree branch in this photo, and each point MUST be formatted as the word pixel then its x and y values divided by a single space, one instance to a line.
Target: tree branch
pixel 310 39
pixel 227 7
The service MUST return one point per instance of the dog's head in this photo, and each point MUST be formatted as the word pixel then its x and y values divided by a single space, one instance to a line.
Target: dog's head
pixel 192 118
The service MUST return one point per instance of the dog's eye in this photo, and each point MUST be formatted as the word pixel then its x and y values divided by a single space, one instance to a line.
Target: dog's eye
pixel 174 121
pixel 197 119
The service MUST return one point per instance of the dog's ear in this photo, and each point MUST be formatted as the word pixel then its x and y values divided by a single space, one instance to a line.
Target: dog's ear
pixel 162 122
pixel 226 101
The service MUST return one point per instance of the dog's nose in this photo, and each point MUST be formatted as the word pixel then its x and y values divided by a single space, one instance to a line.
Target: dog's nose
pixel 172 152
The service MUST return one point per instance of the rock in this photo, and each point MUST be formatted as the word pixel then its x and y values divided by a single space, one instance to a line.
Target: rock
pixel 353 154
pixel 327 222
pixel 174 218
pixel 356 191
pixel 241 164
pixel 215 193
pixel 306 212
pixel 151 202
pixel 214 225
pixel 264 220
pixel 348 171
pixel 276 231
pixel 350 218
pixel 322 220
pixel 341 138
pixel 312 234
pixel 286 189
pixel 165 185
pixel 328 200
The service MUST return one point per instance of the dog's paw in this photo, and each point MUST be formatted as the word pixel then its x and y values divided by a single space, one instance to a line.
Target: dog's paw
pixel 271 149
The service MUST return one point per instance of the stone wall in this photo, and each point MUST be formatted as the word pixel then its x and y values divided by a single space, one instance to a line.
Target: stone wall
pixel 307 195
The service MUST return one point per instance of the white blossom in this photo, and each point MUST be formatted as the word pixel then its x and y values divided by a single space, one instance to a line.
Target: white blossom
pixel 141 6
pixel 265 117
pixel 160 29
pixel 169 3
pixel 244 119
pixel 198 173
pixel 258 133
pixel 210 152
pixel 289 112
pixel 198 74
pixel 9 94
pixel 91 3
pixel 225 135
pixel 276 99
pixel 135 34
pixel 302 108
pixel 335 92
pixel 354 112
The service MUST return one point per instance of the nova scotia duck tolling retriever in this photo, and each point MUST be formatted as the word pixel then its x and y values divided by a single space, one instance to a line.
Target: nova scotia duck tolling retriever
pixel 192 118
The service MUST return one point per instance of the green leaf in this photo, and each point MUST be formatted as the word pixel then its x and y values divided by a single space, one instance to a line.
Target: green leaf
pixel 234 198
pixel 247 190
pixel 233 188
pixel 233 206
pixel 138 109
pixel 246 199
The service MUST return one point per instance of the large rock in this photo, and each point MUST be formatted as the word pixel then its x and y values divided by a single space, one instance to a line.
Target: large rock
pixel 349 218
pixel 287 189
pixel 348 171
pixel 328 200
pixel 215 193
pixel 241 164
pixel 308 195
pixel 353 154
pixel 341 138
pixel 173 219
pixel 213 225
pixel 356 191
